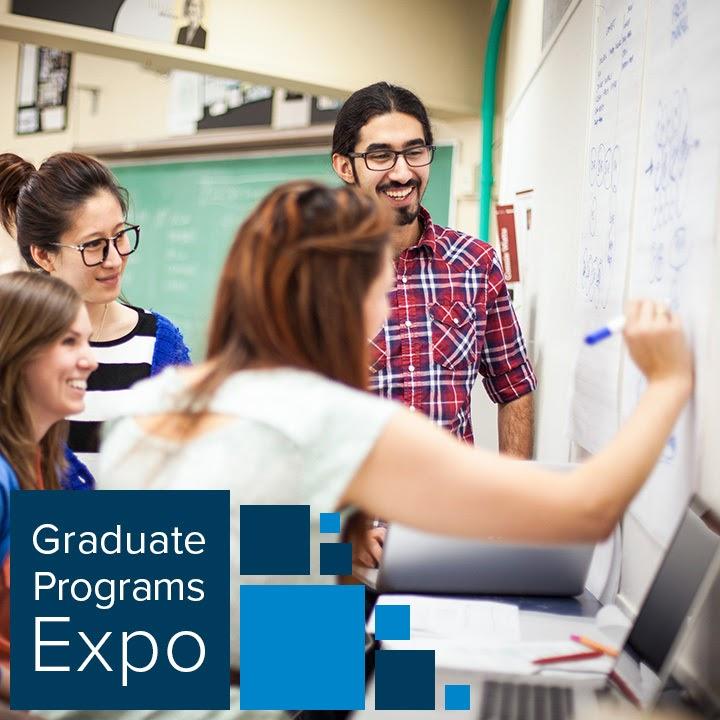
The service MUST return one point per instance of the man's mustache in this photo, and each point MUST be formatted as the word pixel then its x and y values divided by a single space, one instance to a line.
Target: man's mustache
pixel 399 186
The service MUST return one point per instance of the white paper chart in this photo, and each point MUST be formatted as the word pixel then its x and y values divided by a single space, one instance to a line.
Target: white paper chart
pixel 606 212
pixel 675 217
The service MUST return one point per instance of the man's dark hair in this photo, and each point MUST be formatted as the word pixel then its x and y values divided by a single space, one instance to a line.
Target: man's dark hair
pixel 365 104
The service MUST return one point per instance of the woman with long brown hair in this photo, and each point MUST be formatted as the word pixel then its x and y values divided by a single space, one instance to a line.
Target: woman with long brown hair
pixel 278 413
pixel 45 361
pixel 70 220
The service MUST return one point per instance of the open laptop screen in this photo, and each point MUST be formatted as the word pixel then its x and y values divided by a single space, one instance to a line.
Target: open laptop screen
pixel 645 658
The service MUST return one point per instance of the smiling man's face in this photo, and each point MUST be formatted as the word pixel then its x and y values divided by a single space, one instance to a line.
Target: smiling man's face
pixel 403 185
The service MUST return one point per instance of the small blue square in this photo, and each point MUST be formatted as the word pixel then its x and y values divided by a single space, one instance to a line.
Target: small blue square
pixel 392 622
pixel 274 539
pixel 329 522
pixel 302 646
pixel 457 697
pixel 335 558
pixel 405 680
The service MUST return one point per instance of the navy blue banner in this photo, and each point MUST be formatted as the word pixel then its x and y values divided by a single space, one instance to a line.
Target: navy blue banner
pixel 120 600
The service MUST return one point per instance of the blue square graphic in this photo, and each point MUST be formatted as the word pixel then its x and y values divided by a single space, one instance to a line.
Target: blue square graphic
pixel 405 680
pixel 336 558
pixel 169 579
pixel 457 697
pixel 302 646
pixel 274 539
pixel 330 522
pixel 392 622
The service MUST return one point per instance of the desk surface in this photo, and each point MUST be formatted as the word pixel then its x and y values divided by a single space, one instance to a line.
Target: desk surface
pixel 541 619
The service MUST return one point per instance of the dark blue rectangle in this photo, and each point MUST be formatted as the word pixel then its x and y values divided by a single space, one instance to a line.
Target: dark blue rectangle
pixel 405 680
pixel 178 585
pixel 274 539
pixel 335 558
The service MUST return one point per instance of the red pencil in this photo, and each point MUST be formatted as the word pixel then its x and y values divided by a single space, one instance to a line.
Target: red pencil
pixel 567 658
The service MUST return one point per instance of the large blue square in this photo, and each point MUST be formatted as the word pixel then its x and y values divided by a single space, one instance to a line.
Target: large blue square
pixel 335 558
pixel 302 647
pixel 392 622
pixel 274 539
pixel 405 679
pixel 457 697
pixel 175 588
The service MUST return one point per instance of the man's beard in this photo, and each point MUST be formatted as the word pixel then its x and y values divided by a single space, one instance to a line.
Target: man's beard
pixel 406 215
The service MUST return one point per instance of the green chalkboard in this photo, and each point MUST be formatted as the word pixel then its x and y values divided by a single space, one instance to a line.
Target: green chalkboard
pixel 189 211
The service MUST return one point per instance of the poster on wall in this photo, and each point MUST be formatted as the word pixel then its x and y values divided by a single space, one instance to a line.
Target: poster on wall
pixel 183 22
pixel 505 216
pixel 42 90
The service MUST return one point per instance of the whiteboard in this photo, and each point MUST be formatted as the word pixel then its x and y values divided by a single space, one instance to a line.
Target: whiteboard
pixel 673 247
pixel 545 143
pixel 649 219
pixel 551 145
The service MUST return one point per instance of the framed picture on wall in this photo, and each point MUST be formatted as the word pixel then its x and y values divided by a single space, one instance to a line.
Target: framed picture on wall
pixel 42 90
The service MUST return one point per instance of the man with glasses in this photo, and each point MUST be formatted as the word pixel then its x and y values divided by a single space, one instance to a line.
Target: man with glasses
pixel 450 312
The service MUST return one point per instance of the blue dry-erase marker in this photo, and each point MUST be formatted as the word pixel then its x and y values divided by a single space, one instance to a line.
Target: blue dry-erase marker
pixel 614 326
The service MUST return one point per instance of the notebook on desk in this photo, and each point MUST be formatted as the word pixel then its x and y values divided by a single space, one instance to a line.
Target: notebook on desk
pixel 688 569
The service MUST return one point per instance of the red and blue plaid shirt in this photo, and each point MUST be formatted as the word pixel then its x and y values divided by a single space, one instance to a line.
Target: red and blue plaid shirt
pixel 450 320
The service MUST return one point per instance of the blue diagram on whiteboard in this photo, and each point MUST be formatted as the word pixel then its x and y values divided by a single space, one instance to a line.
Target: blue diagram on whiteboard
pixel 667 170
pixel 600 248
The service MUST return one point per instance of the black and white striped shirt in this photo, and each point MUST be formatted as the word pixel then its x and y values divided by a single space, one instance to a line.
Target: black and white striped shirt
pixel 121 363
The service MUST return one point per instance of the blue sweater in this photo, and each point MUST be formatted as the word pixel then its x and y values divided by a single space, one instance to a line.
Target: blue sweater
pixel 170 348
pixel 8 483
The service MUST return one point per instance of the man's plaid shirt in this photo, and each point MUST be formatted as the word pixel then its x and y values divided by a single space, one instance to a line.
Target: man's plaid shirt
pixel 450 319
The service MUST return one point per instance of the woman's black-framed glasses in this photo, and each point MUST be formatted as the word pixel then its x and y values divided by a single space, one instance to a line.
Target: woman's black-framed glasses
pixel 94 252
pixel 385 159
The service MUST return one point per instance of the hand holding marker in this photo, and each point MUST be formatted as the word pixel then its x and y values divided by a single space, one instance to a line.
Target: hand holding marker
pixel 615 325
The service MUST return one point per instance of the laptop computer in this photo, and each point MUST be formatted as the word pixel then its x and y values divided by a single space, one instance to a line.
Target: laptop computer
pixel 686 574
pixel 418 562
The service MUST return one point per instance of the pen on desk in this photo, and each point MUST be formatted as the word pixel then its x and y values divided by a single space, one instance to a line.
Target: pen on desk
pixel 614 326
pixel 594 645
pixel 568 658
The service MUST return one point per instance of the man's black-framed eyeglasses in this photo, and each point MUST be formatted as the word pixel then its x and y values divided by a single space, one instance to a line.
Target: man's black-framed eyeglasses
pixel 385 159
pixel 94 252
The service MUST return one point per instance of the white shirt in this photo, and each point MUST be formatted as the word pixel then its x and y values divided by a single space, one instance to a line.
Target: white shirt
pixel 295 437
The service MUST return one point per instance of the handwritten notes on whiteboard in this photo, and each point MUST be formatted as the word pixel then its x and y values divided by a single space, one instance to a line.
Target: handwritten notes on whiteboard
pixel 606 212
pixel 677 191
pixel 650 218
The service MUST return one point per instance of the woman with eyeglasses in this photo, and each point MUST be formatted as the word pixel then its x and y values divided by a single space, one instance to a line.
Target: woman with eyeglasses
pixel 69 217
